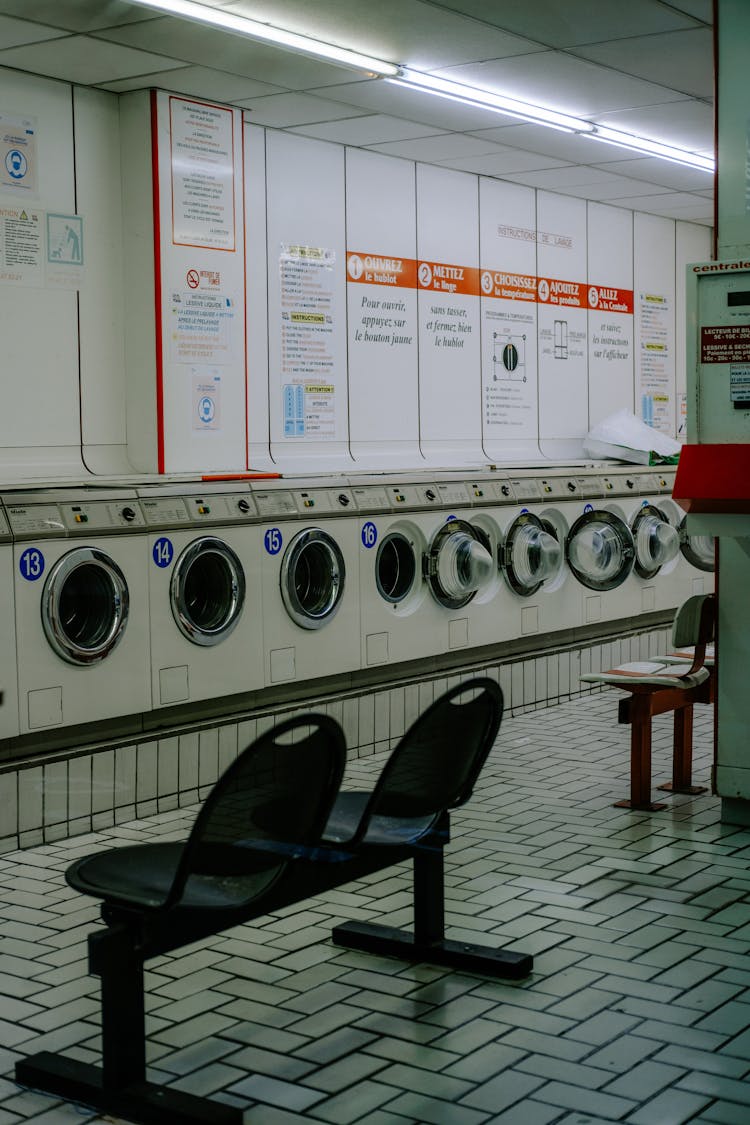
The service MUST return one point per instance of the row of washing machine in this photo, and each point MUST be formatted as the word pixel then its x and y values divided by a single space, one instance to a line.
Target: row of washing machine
pixel 125 600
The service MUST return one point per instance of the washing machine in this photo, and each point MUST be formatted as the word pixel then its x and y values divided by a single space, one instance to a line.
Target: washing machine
pixel 427 569
pixel 81 606
pixel 204 592
pixel 309 572
pixel 9 727
pixel 534 513
pixel 601 552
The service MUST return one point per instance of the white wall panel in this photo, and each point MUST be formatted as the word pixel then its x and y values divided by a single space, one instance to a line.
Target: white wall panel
pixel 693 243
pixel 102 326
pixel 258 437
pixel 610 317
pixel 562 341
pixel 507 253
pixel 448 295
pixel 306 255
pixel 654 298
pixel 40 432
pixel 382 309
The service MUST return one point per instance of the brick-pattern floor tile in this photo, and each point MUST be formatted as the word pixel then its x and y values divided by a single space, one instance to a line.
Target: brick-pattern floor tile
pixel 638 1009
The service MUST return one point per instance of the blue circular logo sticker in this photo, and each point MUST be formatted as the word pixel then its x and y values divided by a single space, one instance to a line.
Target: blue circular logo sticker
pixel 524 511
pixel 449 518
pixel 31 564
pixel 163 552
pixel 588 507
pixel 273 540
pixel 369 534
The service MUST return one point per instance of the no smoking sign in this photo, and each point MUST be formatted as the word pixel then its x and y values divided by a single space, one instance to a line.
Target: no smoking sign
pixel 193 279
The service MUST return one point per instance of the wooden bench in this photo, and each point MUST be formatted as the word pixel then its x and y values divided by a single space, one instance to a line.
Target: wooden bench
pixel 657 687
pixel 273 832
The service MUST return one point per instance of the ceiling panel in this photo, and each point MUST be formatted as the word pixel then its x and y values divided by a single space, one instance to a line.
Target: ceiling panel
pixel 565 23
pixel 688 124
pixel 563 82
pixel 680 59
pixel 643 67
pixel 14 33
pixel 385 97
pixel 196 81
pixel 190 42
pixel 282 111
pixel 77 58
pixel 372 129
pixel 76 15
pixel 401 31
pixel 506 162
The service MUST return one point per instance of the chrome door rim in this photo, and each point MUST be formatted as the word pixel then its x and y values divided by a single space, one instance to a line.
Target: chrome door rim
pixel 692 556
pixel 621 529
pixel 525 519
pixel 448 529
pixel 652 512
pixel 116 600
pixel 208 547
pixel 326 578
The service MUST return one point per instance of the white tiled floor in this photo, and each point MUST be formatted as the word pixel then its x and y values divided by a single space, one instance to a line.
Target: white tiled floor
pixel 638 1009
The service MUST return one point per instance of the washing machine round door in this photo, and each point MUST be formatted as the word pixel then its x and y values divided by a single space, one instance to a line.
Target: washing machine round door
pixel 697 549
pixel 395 567
pixel 85 606
pixel 600 550
pixel 207 591
pixel 531 554
pixel 459 563
pixel 656 541
pixel 313 575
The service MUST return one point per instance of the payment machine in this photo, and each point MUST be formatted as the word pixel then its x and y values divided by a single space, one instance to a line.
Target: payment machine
pixel 713 485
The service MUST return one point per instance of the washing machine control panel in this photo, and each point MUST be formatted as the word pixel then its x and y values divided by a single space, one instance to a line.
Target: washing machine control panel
pixel 413 496
pixel 528 489
pixel 110 515
pixel 165 511
pixel 323 501
pixel 455 494
pixel 35 521
pixel 220 508
pixel 4 527
pixel 495 492
pixel 371 498
pixel 274 503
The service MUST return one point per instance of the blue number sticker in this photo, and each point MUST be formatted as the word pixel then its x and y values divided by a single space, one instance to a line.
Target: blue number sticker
pixel 163 551
pixel 588 507
pixel 449 518
pixel 273 540
pixel 369 534
pixel 31 564
pixel 524 511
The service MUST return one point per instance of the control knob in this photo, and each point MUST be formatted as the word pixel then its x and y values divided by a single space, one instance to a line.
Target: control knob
pixel 128 514
pixel 571 486
pixel 505 489
pixel 629 484
pixel 430 495
pixel 343 499
pixel 243 505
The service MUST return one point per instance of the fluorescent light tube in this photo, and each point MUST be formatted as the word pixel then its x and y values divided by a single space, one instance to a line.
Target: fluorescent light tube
pixel 486 99
pixel 254 29
pixel 540 115
pixel 651 148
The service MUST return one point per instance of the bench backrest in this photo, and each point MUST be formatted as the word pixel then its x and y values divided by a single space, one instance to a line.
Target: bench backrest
pixel 436 763
pixel 270 806
pixel 694 624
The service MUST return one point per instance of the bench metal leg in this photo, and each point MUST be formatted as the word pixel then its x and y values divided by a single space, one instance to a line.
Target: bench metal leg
pixel 682 755
pixel 428 943
pixel 119 1086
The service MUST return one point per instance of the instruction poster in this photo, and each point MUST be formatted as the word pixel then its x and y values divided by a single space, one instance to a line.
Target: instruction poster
pixel 202 174
pixel 308 327
pixel 655 360
pixel 18 155
pixel 21 245
pixel 509 325
pixel 611 336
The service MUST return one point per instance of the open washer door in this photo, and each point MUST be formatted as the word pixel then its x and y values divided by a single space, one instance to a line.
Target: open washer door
pixel 531 554
pixel 313 576
pixel 600 550
pixel 697 549
pixel 656 541
pixel 207 591
pixel 85 606
pixel 458 563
